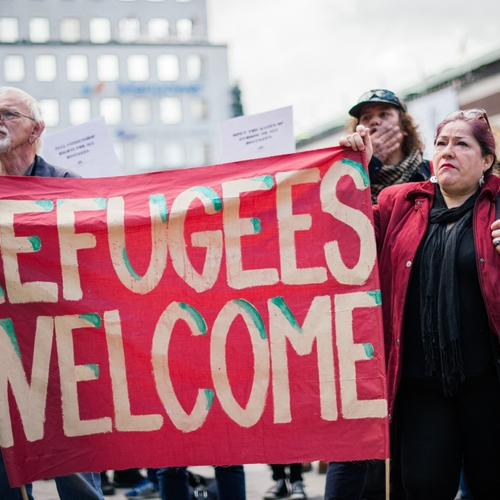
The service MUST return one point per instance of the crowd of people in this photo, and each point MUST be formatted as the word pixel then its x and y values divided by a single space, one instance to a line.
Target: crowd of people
pixel 438 242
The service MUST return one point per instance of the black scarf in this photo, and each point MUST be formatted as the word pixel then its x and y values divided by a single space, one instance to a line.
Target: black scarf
pixel 440 319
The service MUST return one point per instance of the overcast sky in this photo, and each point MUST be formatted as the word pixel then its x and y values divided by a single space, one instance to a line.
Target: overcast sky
pixel 321 55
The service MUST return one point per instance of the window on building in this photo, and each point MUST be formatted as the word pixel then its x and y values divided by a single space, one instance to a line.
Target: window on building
pixel 39 30
pixel 107 68
pixel 174 154
pixel 111 109
pixel 13 68
pixel 77 68
pixel 9 29
pixel 184 29
pixel 143 154
pixel 168 67
pixel 193 67
pixel 198 108
pixel 79 111
pixel 129 29
pixel 170 110
pixel 50 111
pixel 140 110
pixel 100 30
pixel 138 68
pixel 182 1
pixel 198 153
pixel 158 29
pixel 69 30
pixel 45 68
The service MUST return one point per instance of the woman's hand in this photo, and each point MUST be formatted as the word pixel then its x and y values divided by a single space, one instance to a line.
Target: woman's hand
pixel 495 234
pixel 359 141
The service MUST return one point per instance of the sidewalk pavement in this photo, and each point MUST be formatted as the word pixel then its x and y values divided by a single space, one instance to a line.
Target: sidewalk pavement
pixel 257 478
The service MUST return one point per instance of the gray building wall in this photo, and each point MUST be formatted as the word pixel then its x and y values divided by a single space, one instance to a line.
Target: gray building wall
pixel 162 112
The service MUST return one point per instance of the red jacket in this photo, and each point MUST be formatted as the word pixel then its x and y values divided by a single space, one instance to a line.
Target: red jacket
pixel 400 219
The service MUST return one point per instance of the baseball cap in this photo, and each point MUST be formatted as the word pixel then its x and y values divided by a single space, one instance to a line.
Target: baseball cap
pixel 376 95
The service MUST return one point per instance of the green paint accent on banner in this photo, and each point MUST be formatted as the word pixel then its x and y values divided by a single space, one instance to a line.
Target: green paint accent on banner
pixel 198 318
pixel 257 228
pixel 102 203
pixel 94 368
pixel 129 267
pixel 377 295
pixel 359 168
pixel 266 179
pixel 92 318
pixel 47 205
pixel 211 194
pixel 369 351
pixel 280 302
pixel 209 395
pixel 254 315
pixel 161 202
pixel 2 292
pixel 36 243
pixel 8 326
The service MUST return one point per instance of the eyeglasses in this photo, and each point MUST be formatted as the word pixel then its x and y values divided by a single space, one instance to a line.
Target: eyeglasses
pixel 6 115
pixel 380 93
pixel 471 114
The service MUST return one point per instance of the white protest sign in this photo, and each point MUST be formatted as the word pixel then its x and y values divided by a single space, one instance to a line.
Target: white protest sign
pixel 85 149
pixel 257 136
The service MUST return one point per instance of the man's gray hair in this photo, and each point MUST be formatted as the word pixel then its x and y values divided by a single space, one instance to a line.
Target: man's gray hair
pixel 35 111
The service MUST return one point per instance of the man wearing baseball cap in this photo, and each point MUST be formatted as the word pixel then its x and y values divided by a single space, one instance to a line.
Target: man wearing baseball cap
pixel 397 158
pixel 397 146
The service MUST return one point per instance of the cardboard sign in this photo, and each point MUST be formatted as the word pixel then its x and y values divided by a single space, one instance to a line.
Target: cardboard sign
pixel 214 316
pixel 85 149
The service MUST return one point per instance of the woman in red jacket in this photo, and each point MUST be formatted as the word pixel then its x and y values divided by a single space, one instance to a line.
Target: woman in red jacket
pixel 438 248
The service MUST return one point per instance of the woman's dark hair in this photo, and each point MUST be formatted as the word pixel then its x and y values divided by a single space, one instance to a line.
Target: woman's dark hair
pixel 481 131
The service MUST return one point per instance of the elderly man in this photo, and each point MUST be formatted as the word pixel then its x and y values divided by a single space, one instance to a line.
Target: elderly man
pixel 21 126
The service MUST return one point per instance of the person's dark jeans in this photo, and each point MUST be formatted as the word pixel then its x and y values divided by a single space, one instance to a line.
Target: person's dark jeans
pixel 152 476
pixel 345 480
pixel 439 434
pixel 6 492
pixel 173 482
pixel 82 486
pixel 464 487
pixel 279 472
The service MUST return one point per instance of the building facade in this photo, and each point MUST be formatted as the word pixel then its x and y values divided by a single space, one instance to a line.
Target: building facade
pixel 145 65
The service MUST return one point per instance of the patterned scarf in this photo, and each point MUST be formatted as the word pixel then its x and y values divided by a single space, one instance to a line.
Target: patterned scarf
pixel 396 174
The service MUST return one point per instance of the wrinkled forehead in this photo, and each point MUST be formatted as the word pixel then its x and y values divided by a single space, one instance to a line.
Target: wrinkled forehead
pixel 13 100
pixel 456 128
pixel 376 107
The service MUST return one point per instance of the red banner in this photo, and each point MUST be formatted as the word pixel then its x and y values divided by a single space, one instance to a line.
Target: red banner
pixel 219 315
